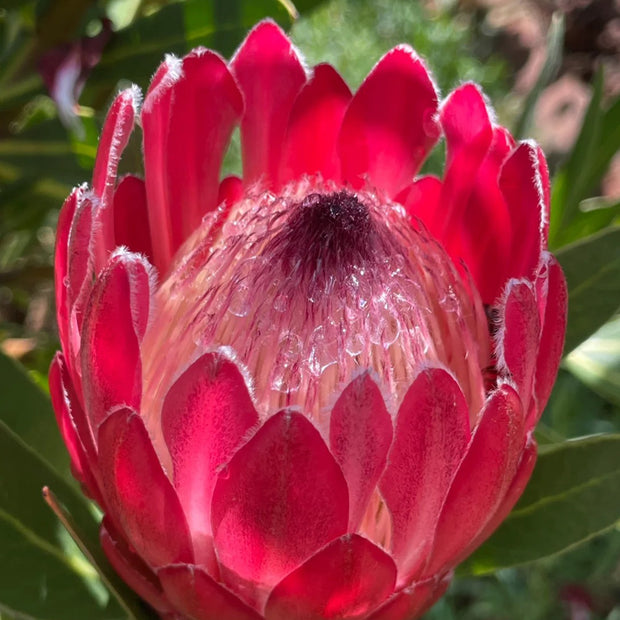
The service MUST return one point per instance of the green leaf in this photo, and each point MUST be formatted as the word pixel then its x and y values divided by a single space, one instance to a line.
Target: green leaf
pixel 38 577
pixel 39 165
pixel 598 142
pixel 27 411
pixel 132 605
pixel 137 50
pixel 592 270
pixel 44 150
pixel 11 5
pixel 572 496
pixel 607 147
pixel 43 575
pixel 597 362
pixel 304 6
pixel 570 185
pixel 594 215
pixel 575 410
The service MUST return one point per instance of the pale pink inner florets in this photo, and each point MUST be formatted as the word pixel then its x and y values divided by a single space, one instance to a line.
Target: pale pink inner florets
pixel 306 288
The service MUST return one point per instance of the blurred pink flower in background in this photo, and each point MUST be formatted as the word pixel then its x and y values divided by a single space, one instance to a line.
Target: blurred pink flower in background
pixel 308 392
pixel 65 68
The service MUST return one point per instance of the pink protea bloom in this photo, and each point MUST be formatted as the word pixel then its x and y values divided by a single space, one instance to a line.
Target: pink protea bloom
pixel 310 392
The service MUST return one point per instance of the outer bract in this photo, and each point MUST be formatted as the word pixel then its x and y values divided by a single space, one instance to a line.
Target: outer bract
pixel 308 392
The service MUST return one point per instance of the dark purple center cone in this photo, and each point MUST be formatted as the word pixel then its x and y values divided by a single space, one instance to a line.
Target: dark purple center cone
pixel 326 234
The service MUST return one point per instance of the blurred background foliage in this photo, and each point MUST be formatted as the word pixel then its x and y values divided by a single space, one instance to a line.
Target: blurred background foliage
pixel 552 70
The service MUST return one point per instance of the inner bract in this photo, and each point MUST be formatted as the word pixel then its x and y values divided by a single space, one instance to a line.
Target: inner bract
pixel 307 288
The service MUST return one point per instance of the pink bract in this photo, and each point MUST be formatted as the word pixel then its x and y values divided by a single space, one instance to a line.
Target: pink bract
pixel 308 392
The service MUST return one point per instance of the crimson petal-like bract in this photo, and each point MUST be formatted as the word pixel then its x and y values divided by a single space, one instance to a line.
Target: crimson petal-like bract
pixel 308 391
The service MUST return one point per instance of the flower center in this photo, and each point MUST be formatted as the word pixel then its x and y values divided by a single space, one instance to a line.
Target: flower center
pixel 307 289
pixel 326 234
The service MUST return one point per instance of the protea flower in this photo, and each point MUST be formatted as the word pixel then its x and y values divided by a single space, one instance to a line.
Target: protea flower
pixel 308 392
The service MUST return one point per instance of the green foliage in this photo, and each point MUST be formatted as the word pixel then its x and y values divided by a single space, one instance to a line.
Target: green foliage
pixel 354 34
pixel 47 574
pixel 597 362
pixel 532 592
pixel 571 497
pixel 135 51
pixel 597 143
pixel 46 577
pixel 592 269
pixel 39 160
pixel 27 412
pixel 575 410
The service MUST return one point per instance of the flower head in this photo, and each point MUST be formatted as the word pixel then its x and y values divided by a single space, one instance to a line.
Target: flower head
pixel 308 392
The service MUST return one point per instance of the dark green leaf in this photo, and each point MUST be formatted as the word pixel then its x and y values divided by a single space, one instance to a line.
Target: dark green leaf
pixel 307 5
pixel 37 576
pixel 575 410
pixel 598 142
pixel 15 4
pixel 38 168
pixel 592 270
pixel 608 145
pixel 39 579
pixel 572 496
pixel 570 186
pixel 593 215
pixel 134 607
pixel 38 552
pixel 27 411
pixel 137 50
pixel 45 151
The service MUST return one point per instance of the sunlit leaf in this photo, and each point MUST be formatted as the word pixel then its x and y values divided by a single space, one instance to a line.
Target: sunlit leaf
pixel 608 145
pixel 597 361
pixel 41 579
pixel 592 270
pixel 597 143
pixel 593 215
pixel 568 186
pixel 575 410
pixel 45 577
pixel 572 496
